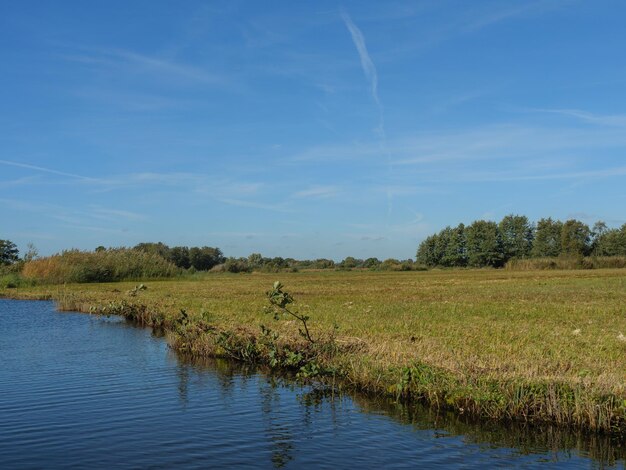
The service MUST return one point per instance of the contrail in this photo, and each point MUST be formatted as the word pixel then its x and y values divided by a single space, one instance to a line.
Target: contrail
pixel 369 69
pixel 366 62
pixel 45 170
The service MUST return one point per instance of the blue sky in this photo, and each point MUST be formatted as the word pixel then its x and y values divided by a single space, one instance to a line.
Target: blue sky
pixel 306 129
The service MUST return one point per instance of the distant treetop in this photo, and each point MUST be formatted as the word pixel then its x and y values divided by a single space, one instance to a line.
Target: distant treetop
pixel 485 243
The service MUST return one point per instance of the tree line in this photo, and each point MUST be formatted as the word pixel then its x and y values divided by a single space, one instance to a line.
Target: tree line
pixel 257 262
pixel 206 258
pixel 486 243
pixel 199 258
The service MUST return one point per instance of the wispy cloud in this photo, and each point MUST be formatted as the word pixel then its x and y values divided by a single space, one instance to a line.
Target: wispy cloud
pixel 489 142
pixel 117 58
pixel 30 235
pixel 378 233
pixel 372 238
pixel 83 218
pixel 491 16
pixel 256 205
pixel 45 170
pixel 116 214
pixel 366 62
pixel 317 192
pixel 371 75
pixel 16 204
pixel 95 228
pixel 610 120
pixel 470 18
pixel 133 101
pixel 488 176
pixel 26 180
pixel 229 187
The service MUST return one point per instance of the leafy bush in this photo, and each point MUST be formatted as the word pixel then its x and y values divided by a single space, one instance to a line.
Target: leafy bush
pixel 14 280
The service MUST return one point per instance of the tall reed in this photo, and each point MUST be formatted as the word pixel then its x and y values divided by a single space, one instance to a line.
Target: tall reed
pixel 101 266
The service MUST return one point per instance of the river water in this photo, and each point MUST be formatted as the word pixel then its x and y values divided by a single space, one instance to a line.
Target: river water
pixel 83 391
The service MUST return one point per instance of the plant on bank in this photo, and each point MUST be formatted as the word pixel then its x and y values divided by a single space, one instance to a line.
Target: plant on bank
pixel 279 300
pixel 306 358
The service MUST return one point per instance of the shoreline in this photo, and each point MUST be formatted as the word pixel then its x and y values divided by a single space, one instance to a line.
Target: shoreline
pixel 354 364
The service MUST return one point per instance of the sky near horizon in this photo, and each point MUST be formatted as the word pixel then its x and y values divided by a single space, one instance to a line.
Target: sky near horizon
pixel 306 129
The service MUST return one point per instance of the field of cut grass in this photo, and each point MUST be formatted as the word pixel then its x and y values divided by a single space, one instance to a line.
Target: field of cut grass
pixel 535 345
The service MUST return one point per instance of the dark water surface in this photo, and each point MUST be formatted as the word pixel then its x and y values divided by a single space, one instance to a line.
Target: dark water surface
pixel 90 392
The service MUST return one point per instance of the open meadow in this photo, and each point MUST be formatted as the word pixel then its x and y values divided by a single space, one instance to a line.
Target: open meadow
pixel 530 345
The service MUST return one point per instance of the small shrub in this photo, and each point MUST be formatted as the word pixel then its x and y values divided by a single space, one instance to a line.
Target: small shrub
pixel 13 281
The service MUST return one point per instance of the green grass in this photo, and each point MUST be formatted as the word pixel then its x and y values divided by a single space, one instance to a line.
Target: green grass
pixel 530 345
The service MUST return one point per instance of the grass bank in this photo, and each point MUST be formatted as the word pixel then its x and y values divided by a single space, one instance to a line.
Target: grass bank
pixel 537 346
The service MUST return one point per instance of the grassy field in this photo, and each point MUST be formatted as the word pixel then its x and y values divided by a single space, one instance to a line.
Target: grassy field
pixel 531 345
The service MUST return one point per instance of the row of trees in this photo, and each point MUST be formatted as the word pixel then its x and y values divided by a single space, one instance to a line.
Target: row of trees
pixel 205 258
pixel 199 258
pixel 487 243
pixel 483 243
pixel 257 262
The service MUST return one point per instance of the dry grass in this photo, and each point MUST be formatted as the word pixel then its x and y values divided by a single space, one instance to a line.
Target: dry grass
pixel 107 265
pixel 532 344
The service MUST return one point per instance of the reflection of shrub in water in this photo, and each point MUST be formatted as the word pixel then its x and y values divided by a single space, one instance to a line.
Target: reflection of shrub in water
pixel 525 438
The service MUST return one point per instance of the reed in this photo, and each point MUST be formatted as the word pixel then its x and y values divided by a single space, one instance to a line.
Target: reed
pixel 75 266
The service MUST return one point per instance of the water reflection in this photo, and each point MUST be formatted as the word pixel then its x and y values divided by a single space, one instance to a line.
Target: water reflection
pixel 549 443
pixel 524 438
pixel 277 429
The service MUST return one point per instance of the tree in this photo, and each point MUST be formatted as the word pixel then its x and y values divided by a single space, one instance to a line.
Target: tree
pixel 441 246
pixel 9 253
pixel 179 255
pixel 349 263
pixel 575 237
pixel 205 258
pixel 484 245
pixel 427 252
pixel 547 242
pixel 517 236
pixel 255 260
pixel 323 263
pixel 152 248
pixel 455 253
pixel 598 231
pixel 609 242
pixel 31 253
pixel 371 263
pixel 237 265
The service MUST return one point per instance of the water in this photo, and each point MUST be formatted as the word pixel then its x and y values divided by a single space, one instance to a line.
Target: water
pixel 84 391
